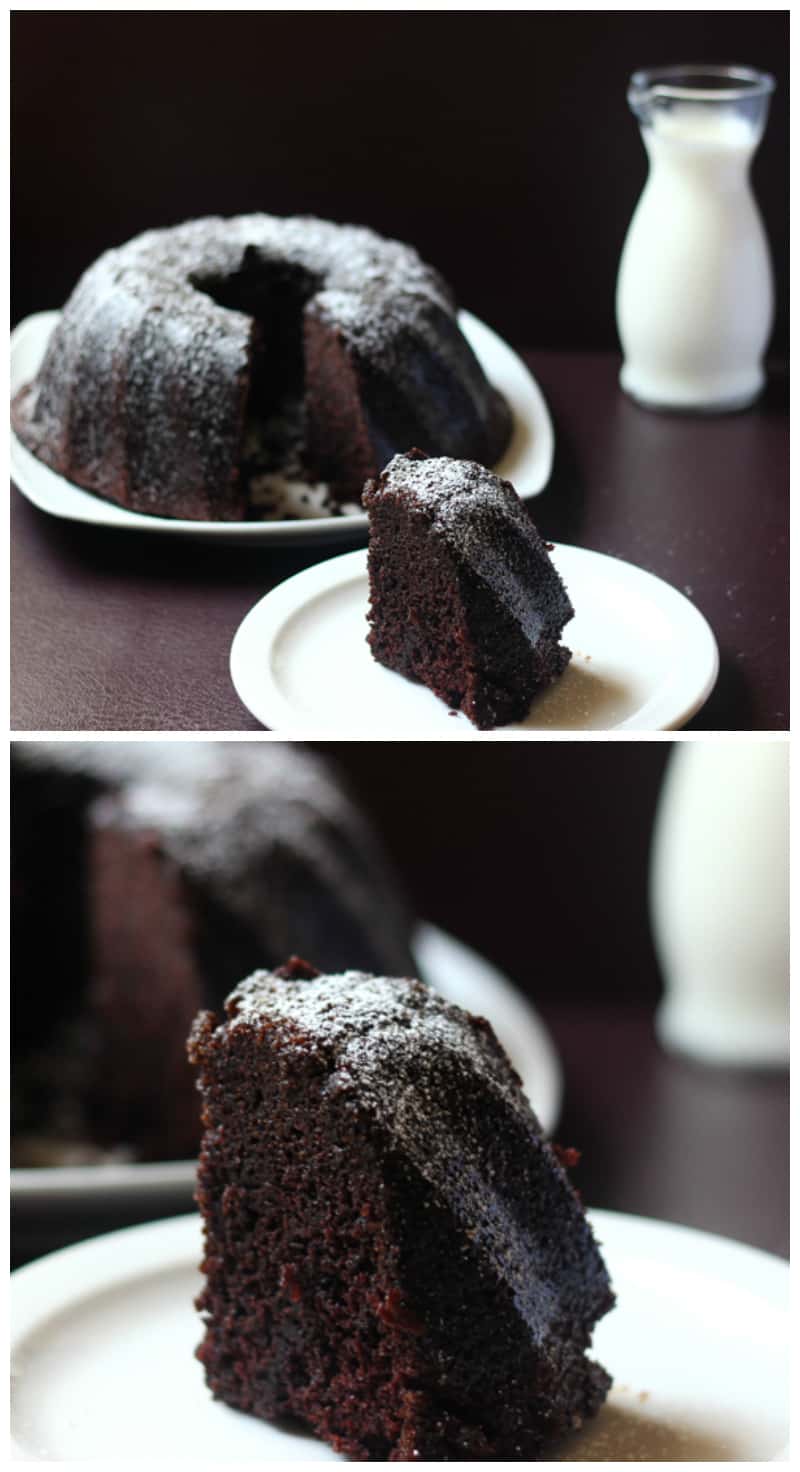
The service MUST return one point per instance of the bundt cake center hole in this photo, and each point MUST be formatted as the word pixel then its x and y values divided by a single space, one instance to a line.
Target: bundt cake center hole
pixel 273 295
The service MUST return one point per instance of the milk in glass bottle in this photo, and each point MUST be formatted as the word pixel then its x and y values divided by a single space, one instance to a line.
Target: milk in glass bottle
pixel 694 293
pixel 720 901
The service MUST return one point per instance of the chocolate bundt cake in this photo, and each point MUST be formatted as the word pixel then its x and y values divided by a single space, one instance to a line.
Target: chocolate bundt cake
pixel 190 362
pixel 463 595
pixel 147 878
pixel 393 1253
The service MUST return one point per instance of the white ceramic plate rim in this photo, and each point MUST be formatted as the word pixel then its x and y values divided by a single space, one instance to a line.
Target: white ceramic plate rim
pixel 54 1285
pixel 527 462
pixel 483 989
pixel 671 707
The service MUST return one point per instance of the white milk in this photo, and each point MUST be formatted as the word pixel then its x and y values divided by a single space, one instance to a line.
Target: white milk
pixel 694 293
pixel 720 901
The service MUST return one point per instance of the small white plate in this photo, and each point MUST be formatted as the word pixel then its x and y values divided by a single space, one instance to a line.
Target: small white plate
pixel 644 658
pixel 103 1336
pixel 453 969
pixel 527 461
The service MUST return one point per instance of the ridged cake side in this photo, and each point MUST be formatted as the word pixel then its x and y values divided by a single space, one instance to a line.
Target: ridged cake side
pixel 176 345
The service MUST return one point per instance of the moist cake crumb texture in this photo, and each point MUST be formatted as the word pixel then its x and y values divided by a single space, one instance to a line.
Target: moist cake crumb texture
pixel 394 1255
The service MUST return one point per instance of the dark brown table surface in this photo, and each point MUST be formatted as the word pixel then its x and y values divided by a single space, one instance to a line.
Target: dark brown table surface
pixel 120 631
pixel 659 1137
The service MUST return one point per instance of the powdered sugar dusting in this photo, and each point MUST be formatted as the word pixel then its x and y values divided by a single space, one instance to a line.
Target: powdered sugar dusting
pixel 428 1073
pixel 143 390
pixel 449 488
pixel 483 519
pixel 362 1021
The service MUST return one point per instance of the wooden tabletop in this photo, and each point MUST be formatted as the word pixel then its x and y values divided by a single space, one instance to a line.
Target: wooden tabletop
pixel 120 631
pixel 658 1136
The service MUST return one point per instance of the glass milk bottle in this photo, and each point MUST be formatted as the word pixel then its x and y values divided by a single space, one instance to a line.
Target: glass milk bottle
pixel 720 901
pixel 694 292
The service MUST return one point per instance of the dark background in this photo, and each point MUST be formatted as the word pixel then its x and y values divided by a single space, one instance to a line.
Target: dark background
pixel 536 853
pixel 499 143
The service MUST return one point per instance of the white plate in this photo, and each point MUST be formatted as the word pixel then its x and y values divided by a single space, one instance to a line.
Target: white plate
pixel 103 1337
pixel 453 969
pixel 527 461
pixel 644 658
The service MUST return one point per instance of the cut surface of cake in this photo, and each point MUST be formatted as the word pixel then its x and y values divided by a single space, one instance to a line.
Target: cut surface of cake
pixel 191 364
pixel 393 1252
pixel 464 597
pixel 147 878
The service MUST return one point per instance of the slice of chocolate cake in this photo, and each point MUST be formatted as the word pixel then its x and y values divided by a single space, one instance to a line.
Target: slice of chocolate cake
pixel 393 1253
pixel 463 595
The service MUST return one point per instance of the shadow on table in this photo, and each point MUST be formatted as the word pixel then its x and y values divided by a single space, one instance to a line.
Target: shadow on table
pixel 730 705
pixel 558 511
pixel 120 554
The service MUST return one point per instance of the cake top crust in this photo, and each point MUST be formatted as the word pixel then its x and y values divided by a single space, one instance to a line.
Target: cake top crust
pixel 459 496
pixel 185 263
pixel 188 258
pixel 406 1051
pixel 361 1022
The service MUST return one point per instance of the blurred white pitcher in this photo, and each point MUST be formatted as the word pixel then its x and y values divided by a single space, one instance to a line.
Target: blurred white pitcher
pixel 720 901
pixel 694 293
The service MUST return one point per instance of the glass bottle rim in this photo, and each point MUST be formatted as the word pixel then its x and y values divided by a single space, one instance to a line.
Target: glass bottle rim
pixel 699 83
